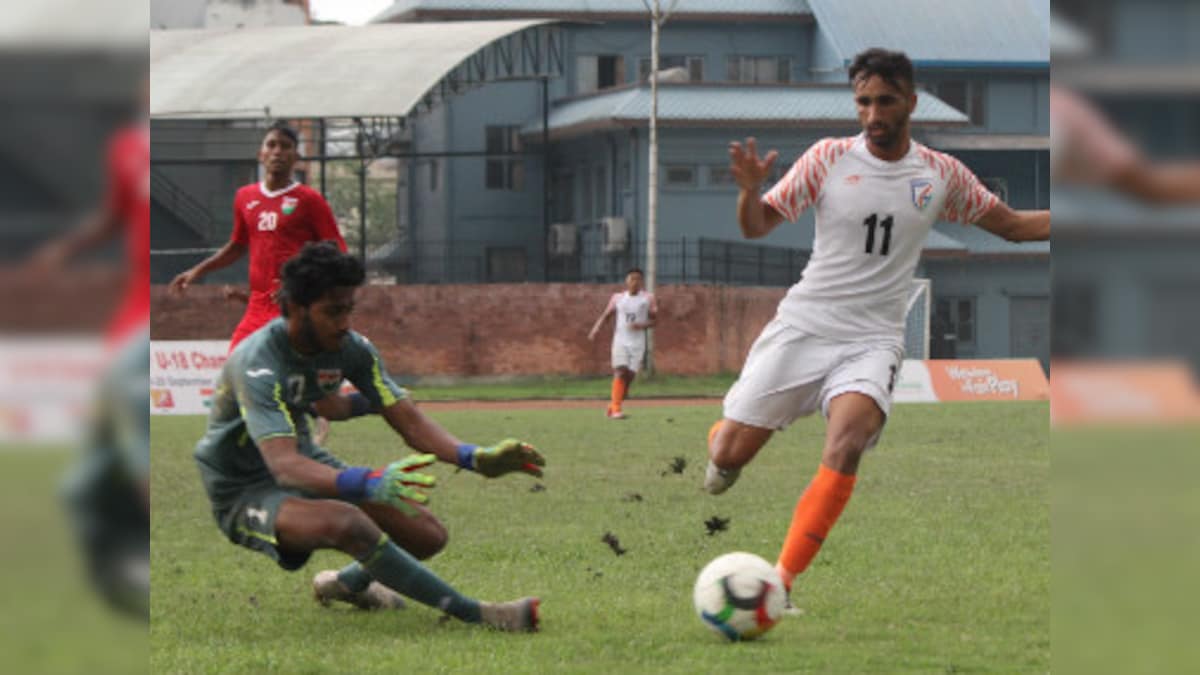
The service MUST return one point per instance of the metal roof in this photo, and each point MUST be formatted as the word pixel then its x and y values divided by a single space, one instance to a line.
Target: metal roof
pixel 699 105
pixel 401 8
pixel 309 71
pixel 1089 211
pixel 936 33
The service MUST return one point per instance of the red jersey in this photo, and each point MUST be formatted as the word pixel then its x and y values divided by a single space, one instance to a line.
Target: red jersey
pixel 276 225
pixel 128 198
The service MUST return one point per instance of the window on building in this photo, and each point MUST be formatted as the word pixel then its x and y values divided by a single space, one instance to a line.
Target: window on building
pixel 759 69
pixel 504 173
pixel 602 208
pixel 693 64
pixel 679 175
pixel 433 175
pixel 586 201
pixel 506 264
pixel 963 95
pixel 596 72
pixel 997 186
pixel 954 318
pixel 563 189
pixel 719 174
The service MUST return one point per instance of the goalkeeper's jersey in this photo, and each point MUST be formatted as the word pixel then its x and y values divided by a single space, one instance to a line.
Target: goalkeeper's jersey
pixel 265 389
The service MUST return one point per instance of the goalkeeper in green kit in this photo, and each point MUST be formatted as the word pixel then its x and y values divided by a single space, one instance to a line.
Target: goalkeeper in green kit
pixel 276 492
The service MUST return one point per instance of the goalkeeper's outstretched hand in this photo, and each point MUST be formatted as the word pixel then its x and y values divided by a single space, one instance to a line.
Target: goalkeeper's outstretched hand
pixel 399 481
pixel 507 456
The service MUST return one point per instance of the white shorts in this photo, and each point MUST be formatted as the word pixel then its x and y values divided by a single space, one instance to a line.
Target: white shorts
pixel 790 374
pixel 628 355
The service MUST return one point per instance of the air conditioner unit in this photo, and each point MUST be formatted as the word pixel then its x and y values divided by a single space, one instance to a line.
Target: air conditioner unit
pixel 564 239
pixel 616 234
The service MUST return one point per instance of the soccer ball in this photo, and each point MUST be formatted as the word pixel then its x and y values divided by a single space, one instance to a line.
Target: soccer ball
pixel 739 595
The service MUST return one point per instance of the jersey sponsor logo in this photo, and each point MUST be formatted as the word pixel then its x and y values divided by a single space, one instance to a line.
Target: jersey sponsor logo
pixel 260 372
pixel 922 192
pixel 853 179
pixel 289 205
pixel 329 378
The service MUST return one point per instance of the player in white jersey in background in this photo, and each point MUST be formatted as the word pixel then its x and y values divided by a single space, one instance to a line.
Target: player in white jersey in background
pixel 836 342
pixel 635 311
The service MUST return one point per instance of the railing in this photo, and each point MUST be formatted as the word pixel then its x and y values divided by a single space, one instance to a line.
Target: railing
pixel 185 207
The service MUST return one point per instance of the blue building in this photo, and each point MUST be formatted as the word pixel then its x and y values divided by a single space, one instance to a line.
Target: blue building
pixel 771 69
pixel 494 186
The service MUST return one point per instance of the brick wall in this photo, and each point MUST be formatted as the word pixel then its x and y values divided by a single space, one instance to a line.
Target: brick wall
pixel 511 329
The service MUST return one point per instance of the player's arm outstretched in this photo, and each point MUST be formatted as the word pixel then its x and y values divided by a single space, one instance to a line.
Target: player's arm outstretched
pixel 230 253
pixel 755 217
pixel 608 311
pixel 1003 221
pixel 378 391
pixel 392 484
pixel 425 435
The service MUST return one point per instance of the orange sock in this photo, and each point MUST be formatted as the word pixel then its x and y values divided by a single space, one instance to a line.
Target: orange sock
pixel 816 512
pixel 618 394
pixel 712 431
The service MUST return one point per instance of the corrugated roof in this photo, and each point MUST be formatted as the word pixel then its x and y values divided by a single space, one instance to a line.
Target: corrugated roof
pixel 720 105
pixel 963 33
pixel 600 7
pixel 309 71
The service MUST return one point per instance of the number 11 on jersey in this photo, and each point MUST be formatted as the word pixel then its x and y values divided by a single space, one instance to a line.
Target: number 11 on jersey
pixel 886 226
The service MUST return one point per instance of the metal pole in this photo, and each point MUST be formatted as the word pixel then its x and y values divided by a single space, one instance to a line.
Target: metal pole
pixel 546 178
pixel 362 211
pixel 652 220
pixel 321 123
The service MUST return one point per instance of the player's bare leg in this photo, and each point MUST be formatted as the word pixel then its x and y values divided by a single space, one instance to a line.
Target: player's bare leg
pixel 731 445
pixel 422 535
pixel 304 525
pixel 854 422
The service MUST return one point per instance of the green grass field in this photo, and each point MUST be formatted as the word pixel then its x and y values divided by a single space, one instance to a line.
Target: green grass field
pixel 940 564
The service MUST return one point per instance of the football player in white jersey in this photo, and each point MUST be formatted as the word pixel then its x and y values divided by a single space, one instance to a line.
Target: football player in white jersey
pixel 635 311
pixel 836 343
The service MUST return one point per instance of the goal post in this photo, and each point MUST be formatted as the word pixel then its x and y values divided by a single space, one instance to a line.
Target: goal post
pixel 916 321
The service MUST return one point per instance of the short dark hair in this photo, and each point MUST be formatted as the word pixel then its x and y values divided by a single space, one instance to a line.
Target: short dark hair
pixel 893 67
pixel 635 270
pixel 318 268
pixel 285 129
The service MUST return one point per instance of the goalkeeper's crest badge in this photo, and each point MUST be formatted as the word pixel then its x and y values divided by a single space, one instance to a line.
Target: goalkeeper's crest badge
pixel 921 190
pixel 289 205
pixel 329 379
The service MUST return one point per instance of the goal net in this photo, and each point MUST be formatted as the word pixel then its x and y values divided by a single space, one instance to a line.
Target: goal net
pixel 916 324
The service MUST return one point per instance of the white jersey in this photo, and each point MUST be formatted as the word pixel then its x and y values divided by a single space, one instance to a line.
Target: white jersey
pixel 631 309
pixel 871 223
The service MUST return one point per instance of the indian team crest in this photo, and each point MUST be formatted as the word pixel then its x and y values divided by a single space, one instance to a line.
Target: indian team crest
pixel 921 190
pixel 289 205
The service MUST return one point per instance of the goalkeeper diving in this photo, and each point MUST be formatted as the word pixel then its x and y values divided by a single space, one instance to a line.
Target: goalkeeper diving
pixel 275 491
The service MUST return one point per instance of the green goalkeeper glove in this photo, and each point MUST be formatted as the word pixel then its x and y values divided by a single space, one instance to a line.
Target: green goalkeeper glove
pixel 392 485
pixel 504 457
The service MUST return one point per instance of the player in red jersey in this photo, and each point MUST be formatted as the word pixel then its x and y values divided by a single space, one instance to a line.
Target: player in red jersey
pixel 126 210
pixel 107 490
pixel 273 219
